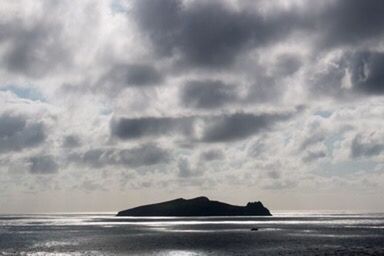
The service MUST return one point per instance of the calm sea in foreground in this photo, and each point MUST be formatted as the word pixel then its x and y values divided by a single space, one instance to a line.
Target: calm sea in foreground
pixel 293 233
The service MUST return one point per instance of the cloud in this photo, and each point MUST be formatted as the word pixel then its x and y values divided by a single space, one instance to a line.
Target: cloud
pixel 211 155
pixel 366 70
pixel 134 128
pixel 207 128
pixel 310 156
pixel 286 65
pixel 207 94
pixel 145 155
pixel 366 146
pixel 33 48
pixel 317 135
pixel 208 34
pixel 43 164
pixel 140 156
pixel 17 133
pixel 185 92
pixel 351 22
pixel 131 75
pixel 351 73
pixel 184 168
pixel 238 126
pixel 71 141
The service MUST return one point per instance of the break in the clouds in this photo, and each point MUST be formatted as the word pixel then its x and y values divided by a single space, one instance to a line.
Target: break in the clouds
pixel 135 96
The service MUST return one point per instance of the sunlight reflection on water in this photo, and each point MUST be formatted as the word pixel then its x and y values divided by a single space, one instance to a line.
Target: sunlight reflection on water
pixel 181 253
pixel 97 235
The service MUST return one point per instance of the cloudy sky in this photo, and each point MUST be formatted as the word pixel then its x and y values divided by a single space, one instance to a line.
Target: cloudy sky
pixel 110 104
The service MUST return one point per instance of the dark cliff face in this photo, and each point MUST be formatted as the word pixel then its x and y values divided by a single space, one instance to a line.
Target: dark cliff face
pixel 200 206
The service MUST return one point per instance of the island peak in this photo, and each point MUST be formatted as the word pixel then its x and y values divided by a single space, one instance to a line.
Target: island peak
pixel 199 206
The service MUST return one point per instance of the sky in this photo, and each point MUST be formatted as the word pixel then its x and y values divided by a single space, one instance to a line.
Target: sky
pixel 110 104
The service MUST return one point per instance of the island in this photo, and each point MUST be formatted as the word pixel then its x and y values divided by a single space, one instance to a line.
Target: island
pixel 199 207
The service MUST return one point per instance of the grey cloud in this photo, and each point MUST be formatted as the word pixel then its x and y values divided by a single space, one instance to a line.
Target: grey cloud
pixel 185 170
pixel 211 155
pixel 348 22
pixel 367 72
pixel 131 75
pixel 17 133
pixel 32 49
pixel 143 155
pixel 257 148
pixel 215 128
pixel 287 65
pixel 209 34
pixel 134 128
pixel 328 82
pixel 239 126
pixel 313 155
pixel 265 89
pixel 94 157
pixel 365 147
pixel 71 141
pixel 207 94
pixel 314 138
pixel 43 164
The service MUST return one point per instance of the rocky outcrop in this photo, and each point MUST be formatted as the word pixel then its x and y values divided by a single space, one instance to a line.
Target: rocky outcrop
pixel 200 206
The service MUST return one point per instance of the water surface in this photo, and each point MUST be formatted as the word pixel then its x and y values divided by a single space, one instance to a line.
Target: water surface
pixel 293 233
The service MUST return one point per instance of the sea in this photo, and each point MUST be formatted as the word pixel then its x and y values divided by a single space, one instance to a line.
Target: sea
pixel 285 233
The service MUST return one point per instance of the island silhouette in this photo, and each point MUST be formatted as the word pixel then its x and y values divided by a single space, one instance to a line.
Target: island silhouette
pixel 199 206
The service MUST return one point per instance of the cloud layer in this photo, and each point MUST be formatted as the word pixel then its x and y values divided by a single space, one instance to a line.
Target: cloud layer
pixel 258 96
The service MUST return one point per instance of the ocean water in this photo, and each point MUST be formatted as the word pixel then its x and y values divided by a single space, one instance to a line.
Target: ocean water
pixel 293 233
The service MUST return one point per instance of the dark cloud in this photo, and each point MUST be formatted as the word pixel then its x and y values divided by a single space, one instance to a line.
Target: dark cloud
pixel 212 34
pixel 349 22
pixel 43 164
pixel 94 157
pixel 365 147
pixel 286 65
pixel 131 75
pixel 265 89
pixel 17 133
pixel 143 155
pixel 215 128
pixel 211 155
pixel 207 94
pixel 366 70
pixel 71 141
pixel 33 49
pixel 239 126
pixel 208 33
pixel 365 75
pixel 134 128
